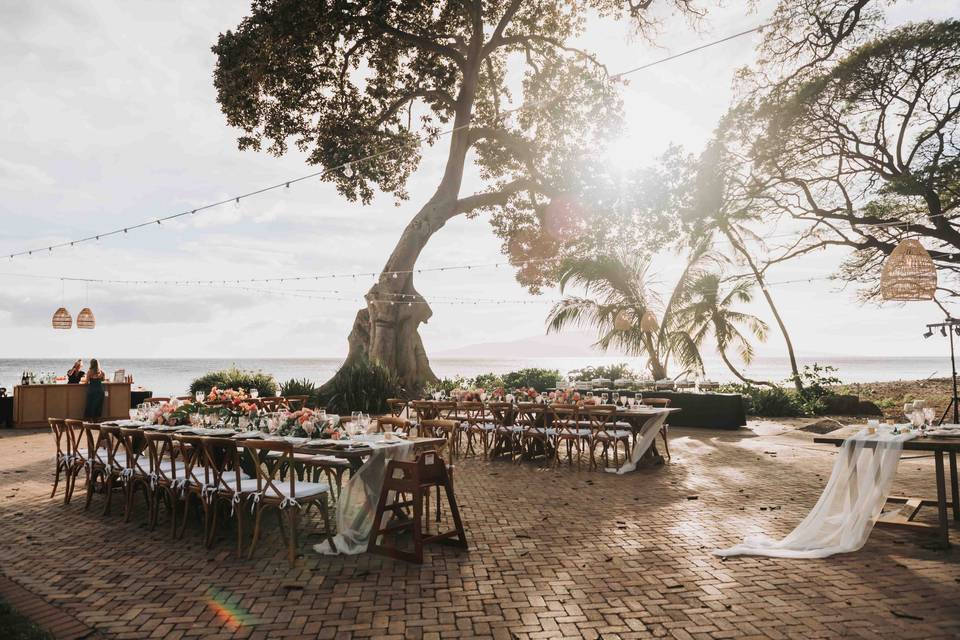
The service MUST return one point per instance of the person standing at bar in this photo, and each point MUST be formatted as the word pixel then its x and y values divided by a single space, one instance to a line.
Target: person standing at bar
pixel 94 407
pixel 75 375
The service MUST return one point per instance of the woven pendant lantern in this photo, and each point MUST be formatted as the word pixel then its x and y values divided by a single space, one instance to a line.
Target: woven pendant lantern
pixel 648 323
pixel 85 319
pixel 621 322
pixel 908 273
pixel 62 319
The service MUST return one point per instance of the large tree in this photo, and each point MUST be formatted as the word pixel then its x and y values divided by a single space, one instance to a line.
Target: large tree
pixel 344 80
pixel 862 149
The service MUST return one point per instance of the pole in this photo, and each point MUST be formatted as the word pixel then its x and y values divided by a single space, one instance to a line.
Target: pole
pixel 953 365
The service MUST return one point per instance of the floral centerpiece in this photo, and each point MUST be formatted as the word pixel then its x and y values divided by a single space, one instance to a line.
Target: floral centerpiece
pixel 226 396
pixel 307 423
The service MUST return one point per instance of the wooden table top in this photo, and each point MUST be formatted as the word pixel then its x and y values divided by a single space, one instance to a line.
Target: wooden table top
pixel 926 443
pixel 419 444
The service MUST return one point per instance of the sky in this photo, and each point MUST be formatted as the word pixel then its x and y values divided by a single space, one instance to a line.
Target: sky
pixel 109 118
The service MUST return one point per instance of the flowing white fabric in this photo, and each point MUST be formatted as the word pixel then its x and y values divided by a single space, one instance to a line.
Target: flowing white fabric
pixel 849 506
pixel 648 433
pixel 357 503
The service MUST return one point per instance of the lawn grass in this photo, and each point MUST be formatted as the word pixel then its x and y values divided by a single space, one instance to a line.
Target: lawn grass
pixel 13 626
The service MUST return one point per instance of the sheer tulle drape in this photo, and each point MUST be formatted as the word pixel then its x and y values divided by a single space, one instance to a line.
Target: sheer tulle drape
pixel 358 500
pixel 844 515
pixel 646 437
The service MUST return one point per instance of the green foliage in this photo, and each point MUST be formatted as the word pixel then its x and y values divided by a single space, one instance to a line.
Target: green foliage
pixel 768 402
pixel 16 627
pixel 446 385
pixel 539 379
pixel 361 386
pixel 609 372
pixel 488 381
pixel 234 378
pixel 303 387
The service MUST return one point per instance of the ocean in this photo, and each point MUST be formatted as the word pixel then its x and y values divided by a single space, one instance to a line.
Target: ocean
pixel 173 376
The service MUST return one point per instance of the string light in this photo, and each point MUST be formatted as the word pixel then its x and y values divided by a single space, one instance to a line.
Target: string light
pixel 346 167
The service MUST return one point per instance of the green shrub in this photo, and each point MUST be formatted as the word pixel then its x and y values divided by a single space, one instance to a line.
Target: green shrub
pixel 488 381
pixel 304 387
pixel 16 627
pixel 608 372
pixel 234 378
pixel 539 379
pixel 767 402
pixel 361 386
pixel 446 385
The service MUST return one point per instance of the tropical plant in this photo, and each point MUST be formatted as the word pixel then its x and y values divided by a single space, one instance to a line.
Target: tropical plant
pixel 302 387
pixel 618 296
pixel 234 378
pixel 349 80
pixel 488 381
pixel 617 371
pixel 361 386
pixel 709 312
pixel 539 379
pixel 772 402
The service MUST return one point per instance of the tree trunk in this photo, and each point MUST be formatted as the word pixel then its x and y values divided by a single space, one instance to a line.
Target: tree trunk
pixel 736 372
pixel 387 330
pixel 742 250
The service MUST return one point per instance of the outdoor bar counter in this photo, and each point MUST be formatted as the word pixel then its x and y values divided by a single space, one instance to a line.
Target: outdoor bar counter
pixel 34 403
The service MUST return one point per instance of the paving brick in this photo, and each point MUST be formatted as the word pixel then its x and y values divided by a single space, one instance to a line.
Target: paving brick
pixel 553 553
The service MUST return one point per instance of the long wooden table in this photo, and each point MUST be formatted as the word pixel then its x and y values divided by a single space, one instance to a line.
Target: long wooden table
pixel 938 446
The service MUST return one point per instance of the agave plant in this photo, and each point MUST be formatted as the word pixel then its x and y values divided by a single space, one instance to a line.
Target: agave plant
pixel 618 296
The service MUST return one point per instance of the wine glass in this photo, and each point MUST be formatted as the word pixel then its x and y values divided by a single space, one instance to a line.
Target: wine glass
pixel 254 393
pixel 200 396
pixel 309 427
pixel 929 415
pixel 243 422
pixel 133 414
pixel 907 410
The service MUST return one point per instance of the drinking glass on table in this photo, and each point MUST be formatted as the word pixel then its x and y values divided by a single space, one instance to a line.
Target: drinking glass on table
pixel 309 427
pixel 254 393
pixel 929 416
pixel 907 410
pixel 623 401
pixel 134 414
pixel 200 396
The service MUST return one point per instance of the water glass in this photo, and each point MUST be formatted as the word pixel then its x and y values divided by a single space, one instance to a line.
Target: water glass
pixel 254 393
pixel 200 396
pixel 134 414
pixel 929 415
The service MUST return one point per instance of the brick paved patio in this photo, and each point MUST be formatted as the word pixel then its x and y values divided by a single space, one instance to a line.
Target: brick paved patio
pixel 554 553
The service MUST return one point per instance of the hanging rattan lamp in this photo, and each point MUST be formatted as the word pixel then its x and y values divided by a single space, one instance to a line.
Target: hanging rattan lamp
pixel 62 319
pixel 85 319
pixel 908 273
pixel 648 323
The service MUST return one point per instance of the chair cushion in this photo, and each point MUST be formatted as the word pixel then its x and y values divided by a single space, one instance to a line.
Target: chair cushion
pixel 302 489
pixel 613 434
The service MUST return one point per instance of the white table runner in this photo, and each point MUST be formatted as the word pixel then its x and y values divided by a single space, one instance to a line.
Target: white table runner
pixel 357 503
pixel 849 506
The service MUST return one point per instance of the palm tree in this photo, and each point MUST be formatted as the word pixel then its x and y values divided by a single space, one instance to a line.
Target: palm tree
pixel 618 295
pixel 709 311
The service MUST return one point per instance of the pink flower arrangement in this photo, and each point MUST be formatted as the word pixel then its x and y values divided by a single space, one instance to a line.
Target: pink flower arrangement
pixel 225 395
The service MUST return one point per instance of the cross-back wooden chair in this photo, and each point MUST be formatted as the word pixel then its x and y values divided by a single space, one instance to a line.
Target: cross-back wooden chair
pixel 475 425
pixel 64 459
pixel 393 423
pixel 166 476
pixel 534 431
pixel 601 420
pixel 397 406
pixel 105 460
pixel 286 496
pixel 297 402
pixel 505 435
pixel 564 419
pixel 225 484
pixel 195 478
pixel 275 403
pixel 76 446
pixel 136 472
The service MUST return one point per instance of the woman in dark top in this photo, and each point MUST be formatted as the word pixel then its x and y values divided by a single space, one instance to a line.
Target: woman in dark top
pixel 95 376
pixel 75 375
